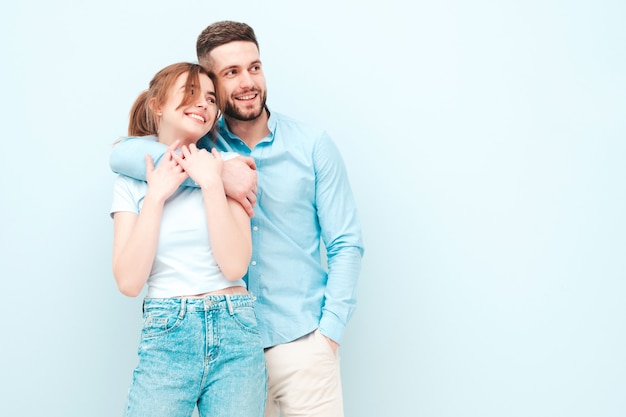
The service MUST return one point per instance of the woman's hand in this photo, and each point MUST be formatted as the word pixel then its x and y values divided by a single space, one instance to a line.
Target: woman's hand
pixel 165 179
pixel 203 167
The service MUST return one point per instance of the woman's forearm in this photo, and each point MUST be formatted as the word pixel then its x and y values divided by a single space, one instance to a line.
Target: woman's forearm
pixel 229 231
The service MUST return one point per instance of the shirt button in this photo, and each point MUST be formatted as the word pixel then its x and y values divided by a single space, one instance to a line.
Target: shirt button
pixel 253 262
pixel 255 228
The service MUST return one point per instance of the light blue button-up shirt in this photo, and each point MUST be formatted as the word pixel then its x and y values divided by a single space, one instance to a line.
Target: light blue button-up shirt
pixel 303 196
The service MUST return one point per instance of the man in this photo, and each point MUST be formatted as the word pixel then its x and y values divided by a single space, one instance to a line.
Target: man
pixel 303 196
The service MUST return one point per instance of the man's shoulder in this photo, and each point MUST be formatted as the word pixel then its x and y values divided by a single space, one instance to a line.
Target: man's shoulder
pixel 283 118
pixel 282 121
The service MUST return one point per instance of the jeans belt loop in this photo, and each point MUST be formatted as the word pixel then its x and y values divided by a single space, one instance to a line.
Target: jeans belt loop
pixel 229 304
pixel 183 307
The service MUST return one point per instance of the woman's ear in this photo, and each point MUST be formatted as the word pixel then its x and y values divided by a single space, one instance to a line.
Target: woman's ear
pixel 152 104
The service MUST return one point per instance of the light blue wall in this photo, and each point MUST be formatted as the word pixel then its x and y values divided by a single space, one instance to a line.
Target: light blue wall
pixel 485 141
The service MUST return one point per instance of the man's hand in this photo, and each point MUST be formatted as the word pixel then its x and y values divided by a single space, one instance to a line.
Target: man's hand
pixel 240 181
pixel 333 345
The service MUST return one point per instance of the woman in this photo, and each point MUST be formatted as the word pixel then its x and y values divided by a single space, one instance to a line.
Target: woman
pixel 200 344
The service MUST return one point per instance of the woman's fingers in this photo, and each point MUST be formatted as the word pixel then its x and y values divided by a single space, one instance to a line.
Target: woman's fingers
pixel 174 145
pixel 149 164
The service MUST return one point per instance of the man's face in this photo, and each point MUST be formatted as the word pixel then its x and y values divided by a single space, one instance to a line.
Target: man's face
pixel 240 79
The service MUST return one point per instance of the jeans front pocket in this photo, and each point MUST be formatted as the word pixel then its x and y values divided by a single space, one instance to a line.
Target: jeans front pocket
pixel 159 321
pixel 245 317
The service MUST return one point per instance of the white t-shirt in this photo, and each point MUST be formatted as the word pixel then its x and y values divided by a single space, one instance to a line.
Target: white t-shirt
pixel 184 263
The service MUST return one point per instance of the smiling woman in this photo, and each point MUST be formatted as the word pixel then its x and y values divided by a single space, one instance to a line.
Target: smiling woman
pixel 191 246
pixel 175 92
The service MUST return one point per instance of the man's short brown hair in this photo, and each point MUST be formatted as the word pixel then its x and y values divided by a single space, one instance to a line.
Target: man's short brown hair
pixel 221 33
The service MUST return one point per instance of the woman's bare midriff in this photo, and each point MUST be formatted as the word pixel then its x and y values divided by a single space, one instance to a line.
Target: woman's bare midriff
pixel 229 290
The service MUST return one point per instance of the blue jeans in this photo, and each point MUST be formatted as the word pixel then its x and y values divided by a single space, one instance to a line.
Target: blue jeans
pixel 203 352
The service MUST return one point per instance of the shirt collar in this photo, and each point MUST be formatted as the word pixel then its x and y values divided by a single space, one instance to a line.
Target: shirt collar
pixel 271 124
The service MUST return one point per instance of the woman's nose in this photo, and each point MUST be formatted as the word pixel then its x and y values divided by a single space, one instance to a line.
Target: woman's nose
pixel 203 102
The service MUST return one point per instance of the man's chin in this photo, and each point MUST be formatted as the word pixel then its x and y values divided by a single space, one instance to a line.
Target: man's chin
pixel 243 116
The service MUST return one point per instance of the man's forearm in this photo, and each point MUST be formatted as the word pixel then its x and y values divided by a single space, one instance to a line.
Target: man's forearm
pixel 238 173
pixel 128 157
pixel 344 268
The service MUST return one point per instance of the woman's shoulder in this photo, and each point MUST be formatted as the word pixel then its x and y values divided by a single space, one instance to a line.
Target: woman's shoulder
pixel 131 185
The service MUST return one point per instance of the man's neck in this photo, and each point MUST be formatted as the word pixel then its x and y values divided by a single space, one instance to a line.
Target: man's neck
pixel 252 131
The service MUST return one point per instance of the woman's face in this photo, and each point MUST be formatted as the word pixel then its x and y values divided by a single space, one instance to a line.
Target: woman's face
pixel 190 122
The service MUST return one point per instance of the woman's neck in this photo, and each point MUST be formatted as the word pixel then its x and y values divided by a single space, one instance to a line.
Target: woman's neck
pixel 168 140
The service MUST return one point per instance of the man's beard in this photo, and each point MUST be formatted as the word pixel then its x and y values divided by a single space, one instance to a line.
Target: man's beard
pixel 233 112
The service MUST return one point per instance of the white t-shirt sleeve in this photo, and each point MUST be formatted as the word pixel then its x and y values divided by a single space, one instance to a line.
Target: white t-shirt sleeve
pixel 128 194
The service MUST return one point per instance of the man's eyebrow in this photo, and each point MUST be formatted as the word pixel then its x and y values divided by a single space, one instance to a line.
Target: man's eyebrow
pixel 229 67
pixel 235 66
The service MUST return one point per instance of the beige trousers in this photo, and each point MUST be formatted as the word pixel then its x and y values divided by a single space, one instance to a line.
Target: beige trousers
pixel 303 379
